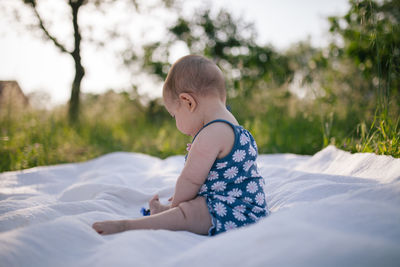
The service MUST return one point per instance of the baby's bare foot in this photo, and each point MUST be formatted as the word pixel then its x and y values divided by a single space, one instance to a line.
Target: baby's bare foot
pixel 109 227
pixel 156 206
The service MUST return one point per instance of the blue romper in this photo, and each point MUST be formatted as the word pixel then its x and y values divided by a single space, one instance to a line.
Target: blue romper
pixel 234 190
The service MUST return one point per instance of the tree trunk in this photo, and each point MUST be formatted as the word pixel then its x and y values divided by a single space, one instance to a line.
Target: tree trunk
pixel 74 102
pixel 73 111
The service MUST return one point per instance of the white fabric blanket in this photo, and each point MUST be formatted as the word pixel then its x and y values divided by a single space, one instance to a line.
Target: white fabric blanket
pixel 331 209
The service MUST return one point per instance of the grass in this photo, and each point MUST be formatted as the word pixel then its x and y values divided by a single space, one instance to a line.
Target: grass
pixel 40 137
pixel 382 137
pixel 348 113
pixel 114 122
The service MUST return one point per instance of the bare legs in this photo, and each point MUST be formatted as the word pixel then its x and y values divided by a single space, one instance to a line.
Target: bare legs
pixel 192 216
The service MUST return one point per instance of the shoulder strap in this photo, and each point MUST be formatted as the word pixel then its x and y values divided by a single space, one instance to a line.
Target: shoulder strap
pixel 214 121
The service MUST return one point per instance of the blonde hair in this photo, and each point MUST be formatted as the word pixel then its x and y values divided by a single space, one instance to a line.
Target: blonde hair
pixel 195 74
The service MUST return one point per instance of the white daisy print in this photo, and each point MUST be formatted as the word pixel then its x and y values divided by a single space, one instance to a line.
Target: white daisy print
pixel 240 208
pixel 231 172
pixel 230 199
pixel 240 179
pixel 219 225
pixel 247 165
pixel 239 216
pixel 254 217
pixel 252 151
pixel 212 175
pixel 203 189
pixel 255 145
pixel 239 155
pixel 218 186
pixel 244 139
pixel 220 209
pixel 260 198
pixel 254 173
pixel 222 198
pixel 230 225
pixel 252 187
pixel 248 200
pixel 257 209
pixel 235 192
pixel 221 165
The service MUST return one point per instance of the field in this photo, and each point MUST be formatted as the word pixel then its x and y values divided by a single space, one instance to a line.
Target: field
pixel 116 122
pixel 299 100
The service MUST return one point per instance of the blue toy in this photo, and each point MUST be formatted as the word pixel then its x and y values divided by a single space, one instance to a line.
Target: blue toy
pixel 145 212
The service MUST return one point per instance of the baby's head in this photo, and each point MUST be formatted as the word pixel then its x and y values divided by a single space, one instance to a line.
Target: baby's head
pixel 194 86
pixel 195 75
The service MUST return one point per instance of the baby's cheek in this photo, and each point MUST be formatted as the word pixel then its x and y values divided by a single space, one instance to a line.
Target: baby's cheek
pixel 182 129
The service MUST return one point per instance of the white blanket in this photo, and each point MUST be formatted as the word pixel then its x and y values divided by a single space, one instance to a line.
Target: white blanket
pixel 331 209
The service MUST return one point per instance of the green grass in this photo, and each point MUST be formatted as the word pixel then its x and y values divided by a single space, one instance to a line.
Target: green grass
pixel 39 137
pixel 382 137
pixel 113 122
pixel 355 105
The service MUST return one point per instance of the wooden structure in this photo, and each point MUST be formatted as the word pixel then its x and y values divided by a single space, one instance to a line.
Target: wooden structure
pixel 12 97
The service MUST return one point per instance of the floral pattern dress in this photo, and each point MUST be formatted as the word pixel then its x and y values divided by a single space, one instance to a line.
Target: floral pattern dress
pixel 234 190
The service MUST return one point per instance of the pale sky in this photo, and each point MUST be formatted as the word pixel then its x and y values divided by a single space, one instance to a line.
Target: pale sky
pixel 38 65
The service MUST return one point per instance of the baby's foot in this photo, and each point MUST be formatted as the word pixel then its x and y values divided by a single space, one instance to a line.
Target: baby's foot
pixel 109 227
pixel 156 206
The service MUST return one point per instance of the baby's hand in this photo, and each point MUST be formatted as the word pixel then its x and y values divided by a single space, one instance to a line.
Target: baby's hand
pixel 109 227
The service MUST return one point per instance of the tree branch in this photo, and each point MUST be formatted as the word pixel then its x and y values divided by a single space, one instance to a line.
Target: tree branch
pixel 75 5
pixel 43 27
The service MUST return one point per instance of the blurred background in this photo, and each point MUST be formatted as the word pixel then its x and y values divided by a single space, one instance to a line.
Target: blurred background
pixel 81 78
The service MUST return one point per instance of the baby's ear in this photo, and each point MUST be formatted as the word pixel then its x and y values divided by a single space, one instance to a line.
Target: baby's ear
pixel 188 100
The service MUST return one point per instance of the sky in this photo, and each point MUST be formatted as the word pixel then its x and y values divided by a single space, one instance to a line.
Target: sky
pixel 38 66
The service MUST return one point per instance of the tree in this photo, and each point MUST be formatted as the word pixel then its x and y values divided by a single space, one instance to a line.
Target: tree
pixel 75 53
pixel 75 6
pixel 370 33
pixel 230 42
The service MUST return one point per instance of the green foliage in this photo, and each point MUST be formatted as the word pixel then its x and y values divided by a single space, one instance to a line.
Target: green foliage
pixel 371 44
pixel 371 34
pixel 109 122
pixel 382 137
pixel 230 43
pixel 353 82
pixel 296 101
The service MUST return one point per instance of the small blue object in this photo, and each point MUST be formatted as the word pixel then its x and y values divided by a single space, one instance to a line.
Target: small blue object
pixel 144 211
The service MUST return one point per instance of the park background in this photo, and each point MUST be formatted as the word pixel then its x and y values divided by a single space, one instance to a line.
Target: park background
pixel 296 99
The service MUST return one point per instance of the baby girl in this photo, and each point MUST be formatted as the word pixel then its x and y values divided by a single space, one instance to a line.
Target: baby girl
pixel 219 187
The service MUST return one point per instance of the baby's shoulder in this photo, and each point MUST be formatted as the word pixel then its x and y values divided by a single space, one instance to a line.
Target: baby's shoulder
pixel 218 135
pixel 217 130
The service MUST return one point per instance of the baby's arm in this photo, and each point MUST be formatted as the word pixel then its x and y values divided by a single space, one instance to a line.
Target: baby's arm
pixel 203 152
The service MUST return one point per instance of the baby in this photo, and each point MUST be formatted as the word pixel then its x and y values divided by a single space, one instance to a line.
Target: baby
pixel 219 187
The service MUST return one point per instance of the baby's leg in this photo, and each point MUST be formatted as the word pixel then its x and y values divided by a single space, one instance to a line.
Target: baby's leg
pixel 190 216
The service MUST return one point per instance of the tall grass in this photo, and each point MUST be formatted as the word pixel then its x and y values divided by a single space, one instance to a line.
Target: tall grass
pixel 382 135
pixel 116 122
pixel 32 138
